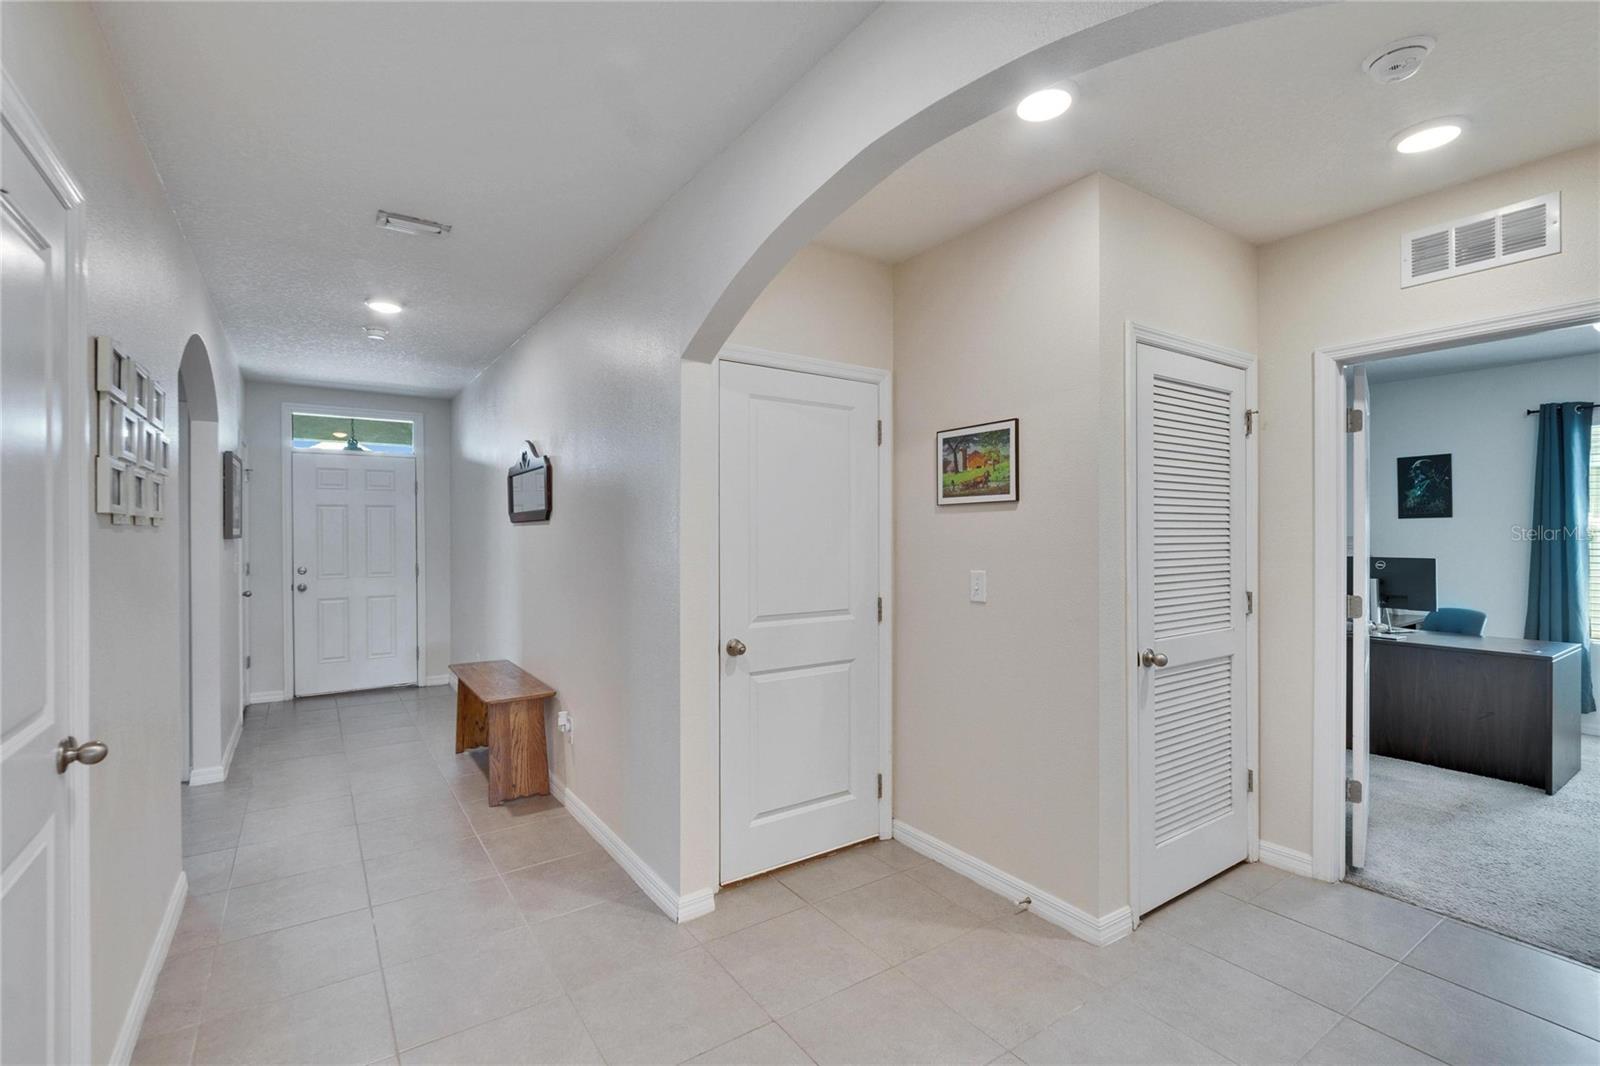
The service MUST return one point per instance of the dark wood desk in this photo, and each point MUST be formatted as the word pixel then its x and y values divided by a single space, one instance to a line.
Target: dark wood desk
pixel 501 705
pixel 1496 706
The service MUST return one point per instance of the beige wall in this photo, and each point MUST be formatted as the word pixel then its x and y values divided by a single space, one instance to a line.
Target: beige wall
pixel 826 304
pixel 1023 763
pixel 145 290
pixel 263 433
pixel 1340 284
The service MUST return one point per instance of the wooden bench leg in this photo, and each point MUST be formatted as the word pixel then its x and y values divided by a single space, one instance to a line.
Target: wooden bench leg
pixel 472 731
pixel 517 762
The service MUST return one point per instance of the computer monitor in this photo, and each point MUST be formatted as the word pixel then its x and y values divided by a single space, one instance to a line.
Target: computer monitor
pixel 1404 584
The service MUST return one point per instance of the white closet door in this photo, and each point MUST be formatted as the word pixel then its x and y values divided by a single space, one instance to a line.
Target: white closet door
pixel 799 547
pixel 1191 681
pixel 355 572
pixel 1360 639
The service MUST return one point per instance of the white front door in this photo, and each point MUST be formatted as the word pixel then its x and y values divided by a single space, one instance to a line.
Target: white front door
pixel 36 802
pixel 1192 644
pixel 354 580
pixel 799 616
pixel 1360 634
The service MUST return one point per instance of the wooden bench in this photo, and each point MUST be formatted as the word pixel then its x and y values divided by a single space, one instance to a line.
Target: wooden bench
pixel 501 705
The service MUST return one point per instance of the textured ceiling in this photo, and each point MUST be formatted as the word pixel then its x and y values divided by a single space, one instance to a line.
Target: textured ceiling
pixel 1268 128
pixel 1551 344
pixel 544 133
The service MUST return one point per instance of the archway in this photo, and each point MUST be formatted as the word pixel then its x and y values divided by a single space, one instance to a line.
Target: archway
pixel 200 568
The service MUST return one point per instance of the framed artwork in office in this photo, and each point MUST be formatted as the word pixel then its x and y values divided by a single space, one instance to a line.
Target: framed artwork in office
pixel 1423 485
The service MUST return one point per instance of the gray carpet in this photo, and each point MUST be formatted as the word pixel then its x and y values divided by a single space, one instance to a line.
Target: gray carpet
pixel 1502 856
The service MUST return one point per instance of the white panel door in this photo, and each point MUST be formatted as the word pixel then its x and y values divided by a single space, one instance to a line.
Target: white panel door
pixel 35 871
pixel 1360 634
pixel 355 571
pixel 799 616
pixel 1192 672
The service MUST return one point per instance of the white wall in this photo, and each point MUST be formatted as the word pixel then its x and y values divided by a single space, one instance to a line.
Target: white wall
pixel 1340 284
pixel 825 304
pixel 144 289
pixel 596 380
pixel 263 434
pixel 1479 418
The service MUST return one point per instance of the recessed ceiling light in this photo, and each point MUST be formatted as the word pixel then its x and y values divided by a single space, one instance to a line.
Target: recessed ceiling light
pixel 1428 136
pixel 375 333
pixel 410 225
pixel 385 307
pixel 1044 105
pixel 339 434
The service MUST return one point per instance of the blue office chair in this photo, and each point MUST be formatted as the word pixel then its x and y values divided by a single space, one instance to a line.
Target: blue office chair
pixel 1462 620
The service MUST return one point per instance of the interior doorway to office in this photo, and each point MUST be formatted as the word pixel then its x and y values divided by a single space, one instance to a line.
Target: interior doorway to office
pixel 1467 518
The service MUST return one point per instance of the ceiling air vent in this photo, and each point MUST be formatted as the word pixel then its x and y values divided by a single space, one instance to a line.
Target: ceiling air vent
pixel 1526 230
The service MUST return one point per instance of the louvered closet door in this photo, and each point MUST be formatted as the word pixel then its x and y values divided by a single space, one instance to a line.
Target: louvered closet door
pixel 1191 589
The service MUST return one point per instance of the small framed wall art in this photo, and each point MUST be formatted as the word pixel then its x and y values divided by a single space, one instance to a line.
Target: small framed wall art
pixel 120 436
pixel 232 496
pixel 1423 484
pixel 112 369
pixel 112 490
pixel 978 464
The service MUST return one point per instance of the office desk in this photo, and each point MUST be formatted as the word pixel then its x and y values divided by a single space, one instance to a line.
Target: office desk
pixel 1495 706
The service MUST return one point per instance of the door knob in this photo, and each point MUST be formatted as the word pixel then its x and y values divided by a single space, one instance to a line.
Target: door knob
pixel 247 594
pixel 736 647
pixel 1151 657
pixel 300 587
pixel 70 751
pixel 300 570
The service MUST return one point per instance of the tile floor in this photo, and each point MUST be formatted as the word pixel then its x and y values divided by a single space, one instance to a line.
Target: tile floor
pixel 355 899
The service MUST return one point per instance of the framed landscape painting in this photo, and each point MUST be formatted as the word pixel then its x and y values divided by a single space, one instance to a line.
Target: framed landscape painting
pixel 1424 486
pixel 978 464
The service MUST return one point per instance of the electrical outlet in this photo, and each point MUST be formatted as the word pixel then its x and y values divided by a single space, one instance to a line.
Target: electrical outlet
pixel 564 721
pixel 978 586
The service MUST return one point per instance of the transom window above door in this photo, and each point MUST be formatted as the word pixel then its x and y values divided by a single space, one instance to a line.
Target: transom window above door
pixel 340 433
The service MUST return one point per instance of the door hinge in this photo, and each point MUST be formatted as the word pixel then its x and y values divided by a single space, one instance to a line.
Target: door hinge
pixel 1354 607
pixel 419 651
pixel 880 431
pixel 247 569
pixel 419 569
pixel 1352 790
pixel 1249 780
pixel 880 608
pixel 1249 603
pixel 1355 420
pixel 880 786
pixel 247 662
pixel 1250 421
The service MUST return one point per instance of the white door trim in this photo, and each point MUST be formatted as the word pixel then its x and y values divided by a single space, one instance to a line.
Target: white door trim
pixel 884 380
pixel 1329 517
pixel 286 452
pixel 1136 334
pixel 24 124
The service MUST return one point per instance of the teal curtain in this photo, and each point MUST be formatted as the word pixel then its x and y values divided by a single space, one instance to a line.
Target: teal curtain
pixel 1558 577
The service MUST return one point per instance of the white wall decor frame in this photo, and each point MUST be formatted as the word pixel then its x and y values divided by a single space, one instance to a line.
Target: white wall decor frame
pixel 112 488
pixel 158 405
pixel 139 391
pixel 113 370
pixel 149 445
pixel 118 430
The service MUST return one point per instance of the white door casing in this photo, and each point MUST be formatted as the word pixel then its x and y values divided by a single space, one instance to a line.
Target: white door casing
pixel 1191 554
pixel 1360 633
pixel 355 606
pixel 40 809
pixel 799 564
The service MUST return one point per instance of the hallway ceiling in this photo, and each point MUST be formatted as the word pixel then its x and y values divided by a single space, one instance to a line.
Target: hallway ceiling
pixel 543 133
pixel 1268 128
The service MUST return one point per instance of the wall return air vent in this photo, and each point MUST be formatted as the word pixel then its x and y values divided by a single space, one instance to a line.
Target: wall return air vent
pixel 1525 230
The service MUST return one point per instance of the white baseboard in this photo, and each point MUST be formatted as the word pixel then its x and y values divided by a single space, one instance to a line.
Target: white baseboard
pixel 1296 862
pixel 211 775
pixel 678 908
pixel 155 959
pixel 275 696
pixel 1100 931
pixel 440 679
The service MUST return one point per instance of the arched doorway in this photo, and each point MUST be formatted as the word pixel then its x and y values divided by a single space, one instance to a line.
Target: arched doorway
pixel 200 568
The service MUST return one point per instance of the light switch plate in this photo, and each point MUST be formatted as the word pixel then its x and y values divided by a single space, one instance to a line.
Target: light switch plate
pixel 978 586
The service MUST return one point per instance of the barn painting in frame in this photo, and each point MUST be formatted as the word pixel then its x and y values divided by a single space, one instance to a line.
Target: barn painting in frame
pixel 978 464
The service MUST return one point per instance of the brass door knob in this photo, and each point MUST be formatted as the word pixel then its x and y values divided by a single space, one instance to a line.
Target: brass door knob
pixel 1151 657
pixel 736 647
pixel 70 751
